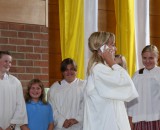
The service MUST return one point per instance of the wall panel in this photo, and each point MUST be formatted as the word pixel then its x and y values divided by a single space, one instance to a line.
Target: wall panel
pixel 155 23
pixel 54 42
pixel 106 16
pixel 23 11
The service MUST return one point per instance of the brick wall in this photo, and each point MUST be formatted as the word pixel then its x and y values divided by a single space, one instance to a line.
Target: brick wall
pixel 29 47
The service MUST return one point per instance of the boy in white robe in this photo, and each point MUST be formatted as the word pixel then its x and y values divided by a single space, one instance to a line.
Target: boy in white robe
pixel 13 110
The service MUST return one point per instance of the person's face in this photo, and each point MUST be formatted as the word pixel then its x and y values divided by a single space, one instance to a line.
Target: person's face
pixel 35 92
pixel 118 60
pixel 5 63
pixel 69 74
pixel 149 60
pixel 111 45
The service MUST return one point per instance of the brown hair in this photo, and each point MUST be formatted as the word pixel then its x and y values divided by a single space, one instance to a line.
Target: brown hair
pixel 4 53
pixel 66 62
pixel 42 97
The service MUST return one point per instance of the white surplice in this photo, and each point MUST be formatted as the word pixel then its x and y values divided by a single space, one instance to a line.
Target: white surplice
pixel 147 106
pixel 67 101
pixel 106 90
pixel 13 108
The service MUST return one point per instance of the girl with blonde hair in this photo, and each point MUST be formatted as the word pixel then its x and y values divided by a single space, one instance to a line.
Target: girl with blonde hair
pixel 144 112
pixel 108 86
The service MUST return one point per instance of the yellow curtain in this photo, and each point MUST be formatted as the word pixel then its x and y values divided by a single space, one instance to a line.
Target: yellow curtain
pixel 71 13
pixel 125 33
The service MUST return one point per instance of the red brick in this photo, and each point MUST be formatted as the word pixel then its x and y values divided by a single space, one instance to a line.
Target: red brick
pixel 25 76
pixel 45 57
pixel 15 26
pixel 4 40
pixel 33 42
pixel 32 28
pixel 24 84
pixel 16 41
pixel 17 69
pixel 41 63
pixel 24 49
pixel 41 36
pixel 44 29
pixel 4 25
pixel 17 55
pixel 33 56
pixel 42 77
pixel 8 33
pixel 24 45
pixel 8 47
pixel 44 43
pixel 44 70
pixel 33 70
pixel 25 35
pixel 41 49
pixel 14 62
pixel 25 62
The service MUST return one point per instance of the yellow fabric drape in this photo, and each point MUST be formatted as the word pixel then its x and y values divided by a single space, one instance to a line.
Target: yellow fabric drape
pixel 125 33
pixel 71 13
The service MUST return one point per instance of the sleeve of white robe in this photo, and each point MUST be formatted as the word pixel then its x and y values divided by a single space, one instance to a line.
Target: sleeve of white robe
pixel 114 83
pixel 20 114
pixel 58 118
pixel 80 115
pixel 79 118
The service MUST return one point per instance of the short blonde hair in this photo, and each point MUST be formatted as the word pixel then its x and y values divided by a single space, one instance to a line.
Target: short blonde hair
pixel 97 39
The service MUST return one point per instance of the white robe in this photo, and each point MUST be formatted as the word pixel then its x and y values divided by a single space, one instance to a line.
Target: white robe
pixel 106 91
pixel 67 101
pixel 13 108
pixel 147 106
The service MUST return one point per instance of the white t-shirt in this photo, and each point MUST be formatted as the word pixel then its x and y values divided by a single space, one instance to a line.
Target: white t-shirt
pixel 147 106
